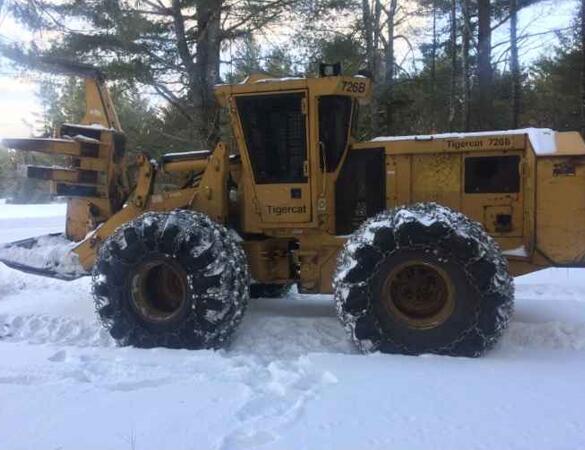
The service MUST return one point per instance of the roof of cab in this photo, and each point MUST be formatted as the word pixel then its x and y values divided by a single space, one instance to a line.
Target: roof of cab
pixel 262 83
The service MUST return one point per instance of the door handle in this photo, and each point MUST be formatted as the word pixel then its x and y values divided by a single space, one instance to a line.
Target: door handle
pixel 296 193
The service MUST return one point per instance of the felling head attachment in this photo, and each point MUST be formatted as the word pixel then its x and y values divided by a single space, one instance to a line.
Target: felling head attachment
pixel 94 178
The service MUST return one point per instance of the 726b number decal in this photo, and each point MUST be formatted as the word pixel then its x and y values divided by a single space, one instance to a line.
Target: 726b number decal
pixel 358 87
pixel 498 142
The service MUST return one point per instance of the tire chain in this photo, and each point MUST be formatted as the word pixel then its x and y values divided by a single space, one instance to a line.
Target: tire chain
pixel 240 263
pixel 490 247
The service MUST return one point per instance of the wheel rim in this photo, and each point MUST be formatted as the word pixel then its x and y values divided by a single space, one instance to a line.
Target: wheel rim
pixel 158 289
pixel 419 293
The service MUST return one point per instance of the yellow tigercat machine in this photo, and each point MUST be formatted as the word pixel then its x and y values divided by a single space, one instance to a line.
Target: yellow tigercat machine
pixel 417 237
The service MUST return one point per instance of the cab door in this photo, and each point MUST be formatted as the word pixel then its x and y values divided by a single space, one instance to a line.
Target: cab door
pixel 275 131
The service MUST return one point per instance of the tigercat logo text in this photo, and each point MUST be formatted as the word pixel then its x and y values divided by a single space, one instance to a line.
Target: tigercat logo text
pixel 280 210
pixel 479 143
pixel 465 144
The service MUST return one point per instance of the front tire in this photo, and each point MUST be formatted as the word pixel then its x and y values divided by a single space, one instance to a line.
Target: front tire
pixel 423 279
pixel 174 280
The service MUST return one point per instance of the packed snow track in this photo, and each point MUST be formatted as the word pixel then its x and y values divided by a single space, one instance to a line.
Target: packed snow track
pixel 290 380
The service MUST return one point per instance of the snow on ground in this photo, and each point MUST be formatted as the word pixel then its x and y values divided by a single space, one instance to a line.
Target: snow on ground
pixel 290 380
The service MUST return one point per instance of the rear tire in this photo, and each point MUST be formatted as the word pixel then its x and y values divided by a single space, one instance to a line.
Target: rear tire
pixel 174 280
pixel 423 279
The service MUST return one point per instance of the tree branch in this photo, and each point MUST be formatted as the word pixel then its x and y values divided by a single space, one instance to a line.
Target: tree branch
pixel 182 47
pixel 166 93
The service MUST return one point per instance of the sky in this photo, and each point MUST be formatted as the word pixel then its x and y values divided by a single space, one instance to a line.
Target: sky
pixel 19 105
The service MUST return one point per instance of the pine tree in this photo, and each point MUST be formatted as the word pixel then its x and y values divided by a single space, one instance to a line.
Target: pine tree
pixel 174 46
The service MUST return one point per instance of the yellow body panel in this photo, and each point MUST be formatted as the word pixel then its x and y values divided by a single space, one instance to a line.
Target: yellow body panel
pixel 436 178
pixel 547 214
pixel 560 205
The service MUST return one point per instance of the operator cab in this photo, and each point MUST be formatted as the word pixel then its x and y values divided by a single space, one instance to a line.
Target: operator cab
pixel 291 154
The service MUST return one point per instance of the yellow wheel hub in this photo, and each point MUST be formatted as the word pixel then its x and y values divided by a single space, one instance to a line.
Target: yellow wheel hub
pixel 419 293
pixel 159 290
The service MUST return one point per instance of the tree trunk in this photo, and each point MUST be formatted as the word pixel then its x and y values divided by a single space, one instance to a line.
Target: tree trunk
pixel 368 35
pixel 515 64
pixel 583 69
pixel 389 64
pixel 465 75
pixel 453 50
pixel 207 68
pixel 368 24
pixel 434 70
pixel 376 28
pixel 204 72
pixel 484 64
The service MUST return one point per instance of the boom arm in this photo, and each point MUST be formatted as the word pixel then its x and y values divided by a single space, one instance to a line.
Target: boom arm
pixel 99 108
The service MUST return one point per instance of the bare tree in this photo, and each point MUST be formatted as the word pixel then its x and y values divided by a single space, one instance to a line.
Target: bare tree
pixel 371 27
pixel 434 70
pixel 389 62
pixel 515 64
pixel 379 28
pixel 484 67
pixel 465 72
pixel 453 56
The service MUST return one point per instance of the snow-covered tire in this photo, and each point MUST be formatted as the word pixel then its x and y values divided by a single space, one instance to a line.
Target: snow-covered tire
pixel 266 290
pixel 173 279
pixel 423 279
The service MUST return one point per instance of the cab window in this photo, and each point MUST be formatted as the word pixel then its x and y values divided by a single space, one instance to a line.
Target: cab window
pixel 492 174
pixel 275 134
pixel 334 123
